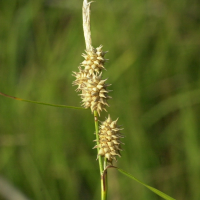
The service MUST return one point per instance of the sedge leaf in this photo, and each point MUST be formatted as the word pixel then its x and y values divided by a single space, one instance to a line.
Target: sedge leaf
pixel 158 192
pixel 42 103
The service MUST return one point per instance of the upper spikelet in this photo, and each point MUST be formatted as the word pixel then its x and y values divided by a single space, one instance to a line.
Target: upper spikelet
pixel 89 81
pixel 95 93
pixel 94 60
pixel 109 139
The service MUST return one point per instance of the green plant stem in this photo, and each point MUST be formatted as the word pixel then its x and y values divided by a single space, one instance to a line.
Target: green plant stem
pixel 105 178
pixel 101 167
pixel 97 139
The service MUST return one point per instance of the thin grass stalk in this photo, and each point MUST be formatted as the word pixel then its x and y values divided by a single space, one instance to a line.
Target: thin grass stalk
pixel 97 139
pixel 88 42
pixel 105 192
pixel 102 165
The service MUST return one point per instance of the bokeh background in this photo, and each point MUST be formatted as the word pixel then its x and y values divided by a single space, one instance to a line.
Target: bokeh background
pixel 154 69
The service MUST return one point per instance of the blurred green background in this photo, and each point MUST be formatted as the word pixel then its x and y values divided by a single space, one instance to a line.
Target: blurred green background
pixel 154 68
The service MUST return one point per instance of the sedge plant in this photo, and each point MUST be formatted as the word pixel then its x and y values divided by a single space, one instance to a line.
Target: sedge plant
pixel 95 94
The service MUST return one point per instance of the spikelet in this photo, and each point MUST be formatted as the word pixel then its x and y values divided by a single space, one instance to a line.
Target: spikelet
pixel 81 79
pixel 94 60
pixel 109 139
pixel 95 93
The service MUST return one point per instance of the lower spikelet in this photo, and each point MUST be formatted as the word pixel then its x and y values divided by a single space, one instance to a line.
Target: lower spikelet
pixel 109 139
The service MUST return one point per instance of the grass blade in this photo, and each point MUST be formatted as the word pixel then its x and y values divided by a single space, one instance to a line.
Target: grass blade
pixel 161 194
pixel 42 103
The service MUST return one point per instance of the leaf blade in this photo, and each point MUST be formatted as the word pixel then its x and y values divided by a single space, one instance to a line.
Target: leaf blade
pixel 156 191
pixel 42 103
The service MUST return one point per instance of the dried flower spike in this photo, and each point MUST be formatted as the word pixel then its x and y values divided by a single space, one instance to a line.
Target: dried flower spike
pixel 95 93
pixel 94 60
pixel 109 139
pixel 81 79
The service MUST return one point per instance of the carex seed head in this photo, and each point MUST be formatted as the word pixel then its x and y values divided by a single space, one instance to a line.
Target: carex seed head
pixel 109 139
pixel 81 79
pixel 94 60
pixel 95 93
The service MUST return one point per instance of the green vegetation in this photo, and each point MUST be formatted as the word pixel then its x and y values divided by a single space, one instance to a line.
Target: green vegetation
pixel 154 46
